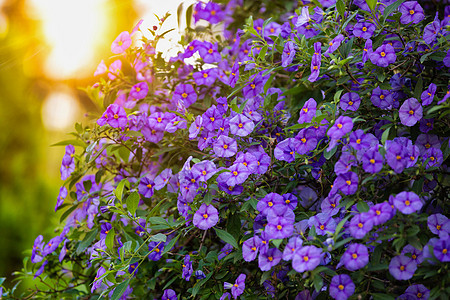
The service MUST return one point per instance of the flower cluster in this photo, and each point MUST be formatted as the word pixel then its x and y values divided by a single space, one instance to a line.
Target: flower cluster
pixel 297 156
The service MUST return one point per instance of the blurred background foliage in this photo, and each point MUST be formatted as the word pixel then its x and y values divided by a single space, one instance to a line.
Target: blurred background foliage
pixel 40 101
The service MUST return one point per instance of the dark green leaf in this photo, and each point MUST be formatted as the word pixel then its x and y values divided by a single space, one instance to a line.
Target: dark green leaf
pixel 170 244
pixel 362 206
pixel 388 10
pixel 133 202
pixel 189 16
pixel 226 237
pixel 109 240
pixel 340 8
pixel 329 154
pixel 120 289
pixel 87 241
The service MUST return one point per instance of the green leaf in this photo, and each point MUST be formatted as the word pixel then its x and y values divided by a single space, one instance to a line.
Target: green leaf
pixel 388 10
pixel 226 237
pixel 385 135
pixel 318 282
pixel 340 8
pixel 179 12
pixel 87 241
pixel 159 237
pixel 189 15
pixel 119 189
pixel 371 4
pixel 170 245
pixel 418 88
pixel 133 202
pixel 362 206
pixel 340 225
pixel 379 296
pixel 71 142
pixel 109 240
pixel 329 154
pixel 120 289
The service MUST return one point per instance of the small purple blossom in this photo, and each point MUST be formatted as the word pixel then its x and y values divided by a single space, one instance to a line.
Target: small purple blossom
pixel 410 112
pixel 411 12
pixel 355 257
pixel 206 217
pixel 341 287
pixel 383 56
pixel 402 267
pixel 307 258
pixel 407 202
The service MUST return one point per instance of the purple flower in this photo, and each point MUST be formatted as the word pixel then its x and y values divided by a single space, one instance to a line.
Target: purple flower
pixel 381 213
pixel 439 224
pixel 315 62
pixel 238 287
pixel 156 249
pixel 441 250
pixel 268 259
pixel 294 244
pixel 61 196
pixel 241 125
pixel 407 202
pixel 163 178
pixel 431 31
pixel 383 56
pixel 237 175
pixel 225 146
pixel 288 54
pixel 402 267
pixel 250 248
pixel 97 281
pixel 254 86
pixel 187 268
pixel 204 170
pixel 205 77
pixel 234 76
pixel 360 225
pixel 206 217
pixel 341 287
pixel 37 249
pixel 347 183
pixel 308 112
pixel 146 187
pixel 410 112
pixel 307 140
pixel 341 127
pixel 51 246
pixel 334 44
pixel 411 12
pixel 209 52
pixel 355 257
pixel 323 223
pixel 269 202
pixel 307 258
pixel 290 201
pixel 279 227
pixel 225 251
pixel 367 50
pixel 364 29
pixel 416 291
pixel 415 254
pixel 115 116
pixel 350 101
pixel 286 150
pixel 139 90
pixel 185 94
pixel 169 294
pixel 372 161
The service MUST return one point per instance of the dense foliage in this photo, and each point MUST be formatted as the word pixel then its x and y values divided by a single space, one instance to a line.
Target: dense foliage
pixel 301 156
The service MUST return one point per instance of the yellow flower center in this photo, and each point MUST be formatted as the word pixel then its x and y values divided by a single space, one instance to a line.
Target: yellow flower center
pixel 381 97
pixel 411 112
pixel 120 43
pixel 350 103
pixel 184 95
pixel 235 173
pixel 364 29
pixel 358 141
pixel 159 120
pixel 305 109
pixel 383 54
pixel 402 268
pixel 303 140
pixel 330 43
pixel 355 256
pixel 240 125
pixel 205 216
pixel 149 186
pixel 279 227
pixel 204 172
pixel 205 75
pixel 378 212
pixel 339 126
pixel 210 51
pixel 438 227
pixel 193 180
pixel 322 227
pixel 360 225
pixel 407 202
pixel 348 182
pixel 116 116
pixel 270 258
pixel 138 89
pixel 270 204
pixel 305 258
pixel 411 12
pixel 225 146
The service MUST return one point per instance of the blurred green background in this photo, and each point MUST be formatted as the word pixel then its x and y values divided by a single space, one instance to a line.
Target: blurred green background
pixel 48 49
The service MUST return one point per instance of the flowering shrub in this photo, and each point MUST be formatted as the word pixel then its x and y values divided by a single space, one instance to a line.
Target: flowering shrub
pixel 301 156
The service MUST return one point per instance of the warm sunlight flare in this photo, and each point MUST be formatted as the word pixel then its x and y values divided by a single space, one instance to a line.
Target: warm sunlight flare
pixel 60 110
pixel 73 29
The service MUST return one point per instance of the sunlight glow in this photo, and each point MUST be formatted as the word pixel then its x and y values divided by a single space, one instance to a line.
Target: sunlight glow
pixel 60 110
pixel 73 29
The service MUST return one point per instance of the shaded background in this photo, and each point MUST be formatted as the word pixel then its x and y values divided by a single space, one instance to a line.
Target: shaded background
pixel 48 50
